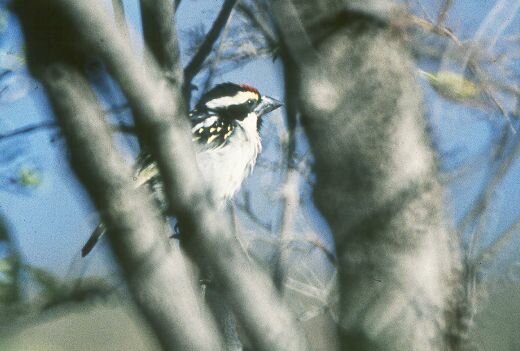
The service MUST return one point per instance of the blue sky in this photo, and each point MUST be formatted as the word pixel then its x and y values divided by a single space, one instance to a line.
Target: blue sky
pixel 52 221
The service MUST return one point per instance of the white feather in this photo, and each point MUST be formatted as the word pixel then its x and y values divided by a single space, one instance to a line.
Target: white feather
pixel 205 123
pixel 240 98
pixel 225 168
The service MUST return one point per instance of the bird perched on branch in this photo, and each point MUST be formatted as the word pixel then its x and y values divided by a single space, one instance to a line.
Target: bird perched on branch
pixel 225 128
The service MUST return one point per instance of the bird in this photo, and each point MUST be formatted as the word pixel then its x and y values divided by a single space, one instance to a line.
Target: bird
pixel 225 127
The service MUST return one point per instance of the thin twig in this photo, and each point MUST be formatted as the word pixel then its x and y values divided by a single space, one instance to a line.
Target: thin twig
pixel 246 207
pixel 443 13
pixel 315 243
pixel 29 129
pixel 123 128
pixel 469 60
pixel 204 49
pixel 499 172
pixel 259 23
pixel 217 57
pixel 508 11
pixel 502 240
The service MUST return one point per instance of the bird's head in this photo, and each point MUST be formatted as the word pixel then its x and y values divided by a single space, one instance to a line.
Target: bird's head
pixel 237 101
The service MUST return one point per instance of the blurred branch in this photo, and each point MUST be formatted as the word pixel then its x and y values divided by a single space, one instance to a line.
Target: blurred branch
pixel 499 171
pixel 254 15
pixel 247 208
pixel 309 243
pixel 315 243
pixel 297 41
pixel 240 58
pixel 428 26
pixel 123 128
pixel 290 190
pixel 55 293
pixel 161 37
pixel 213 64
pixel 503 11
pixel 120 17
pixel 471 63
pixel 156 274
pixel 502 240
pixel 137 234
pixel 52 296
pixel 467 168
pixel 29 129
pixel 443 13
pixel 205 48
pixel 323 294
pixel 386 220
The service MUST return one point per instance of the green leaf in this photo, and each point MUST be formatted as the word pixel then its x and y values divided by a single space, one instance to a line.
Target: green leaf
pixel 453 86
pixel 29 177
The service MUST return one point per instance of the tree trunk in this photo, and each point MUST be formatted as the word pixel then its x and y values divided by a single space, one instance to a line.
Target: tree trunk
pixel 377 184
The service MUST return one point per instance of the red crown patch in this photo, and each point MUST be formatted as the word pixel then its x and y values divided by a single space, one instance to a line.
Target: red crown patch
pixel 249 88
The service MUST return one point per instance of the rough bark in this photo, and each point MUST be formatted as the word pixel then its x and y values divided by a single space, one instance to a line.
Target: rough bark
pixel 377 184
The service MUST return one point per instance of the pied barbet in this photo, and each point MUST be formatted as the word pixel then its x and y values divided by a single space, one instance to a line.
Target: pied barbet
pixel 225 129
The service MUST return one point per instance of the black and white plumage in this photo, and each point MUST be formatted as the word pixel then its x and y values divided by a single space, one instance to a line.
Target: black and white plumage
pixel 225 129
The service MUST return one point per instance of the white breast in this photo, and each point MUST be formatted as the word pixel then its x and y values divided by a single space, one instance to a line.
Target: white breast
pixel 225 168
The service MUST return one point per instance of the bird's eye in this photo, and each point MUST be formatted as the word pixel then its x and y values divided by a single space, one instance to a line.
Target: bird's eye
pixel 250 102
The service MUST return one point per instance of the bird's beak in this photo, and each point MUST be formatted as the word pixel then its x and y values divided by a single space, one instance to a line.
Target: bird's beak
pixel 266 105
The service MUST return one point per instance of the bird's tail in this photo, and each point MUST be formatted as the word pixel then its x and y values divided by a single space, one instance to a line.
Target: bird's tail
pixel 94 237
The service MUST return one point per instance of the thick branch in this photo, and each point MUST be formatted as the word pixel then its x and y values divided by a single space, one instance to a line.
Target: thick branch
pixel 156 273
pixel 161 37
pixel 159 111
pixel 120 16
pixel 204 49
pixel 376 184
pixel 158 24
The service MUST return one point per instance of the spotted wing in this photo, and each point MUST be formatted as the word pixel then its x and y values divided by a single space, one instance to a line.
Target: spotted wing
pixel 210 131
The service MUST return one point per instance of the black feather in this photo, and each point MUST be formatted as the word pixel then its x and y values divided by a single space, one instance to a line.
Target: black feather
pixel 218 91
pixel 215 135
